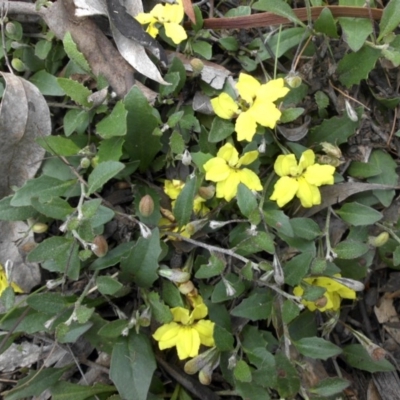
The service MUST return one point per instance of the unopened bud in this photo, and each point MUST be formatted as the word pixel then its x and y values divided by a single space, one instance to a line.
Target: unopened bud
pixel 217 224
pixel 145 318
pixel 378 241
pixel 85 162
pixel 331 150
pixel 95 161
pixel 351 113
pixel 293 80
pixel 186 158
pixel 11 29
pixel 321 302
pixel 99 246
pixel 18 65
pixel 167 214
pixel 230 290
pixel 40 227
pixel 146 205
pixel 186 288
pixel 197 66
pixel 205 376
pixel 329 160
pixel 85 254
pixel 206 192
pixel 175 274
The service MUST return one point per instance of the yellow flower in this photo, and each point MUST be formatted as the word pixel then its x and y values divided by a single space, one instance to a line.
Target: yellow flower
pixel 331 299
pixel 255 106
pixel 225 170
pixel 187 331
pixel 173 188
pixel 169 15
pixel 300 179
pixel 4 283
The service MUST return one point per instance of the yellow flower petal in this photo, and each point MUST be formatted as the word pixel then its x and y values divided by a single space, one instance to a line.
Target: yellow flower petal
pixel 181 315
pixel 224 106
pixel 320 174
pixel 284 190
pixel 250 179
pixel 175 32
pixel 167 335
pixel 199 312
pixel 229 154
pixel 158 12
pixel 247 87
pixel 188 343
pixel 245 126
pixel 227 189
pixel 145 18
pixel 205 330
pixel 216 169
pixel 173 13
pixel 307 159
pixel 266 114
pixel 272 90
pixel 285 164
pixel 173 188
pixel 248 158
pixel 308 194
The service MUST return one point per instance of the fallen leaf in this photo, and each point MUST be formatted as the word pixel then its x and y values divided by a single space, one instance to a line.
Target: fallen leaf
pixel 24 116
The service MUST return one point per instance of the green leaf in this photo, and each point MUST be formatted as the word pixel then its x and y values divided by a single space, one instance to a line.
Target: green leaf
pixel 333 130
pixel 289 311
pixel 173 78
pixel 44 188
pixel 142 262
pixel 350 249
pixel 316 347
pixel 72 391
pixel 396 256
pixel 383 161
pixel 110 149
pixel 326 24
pixel 42 49
pixel 108 285
pixel 330 386
pixel 291 114
pixel 358 214
pixel 102 174
pixel 238 11
pixel 224 340
pixel 47 303
pixel 113 257
pixel 354 67
pixel 257 306
pixel 279 221
pixel 176 143
pixel 305 228
pixel 140 143
pixel 83 313
pixel 58 145
pixel 288 381
pixel 202 48
pixel 184 203
pixel 71 333
pixel 362 170
pixel 76 120
pixel 114 329
pixel 246 200
pixel 10 213
pixel 50 248
pixel 251 391
pixel 214 267
pixel 56 208
pixel 278 7
pixel 297 268
pixel 355 31
pixel 242 371
pixel 390 18
pixel 35 383
pixel 356 356
pixel 220 130
pixel 74 54
pixel 132 361
pixel 159 310
pixel 113 124
pixel 229 43
pixel 220 293
pixel 46 83
pixel 76 91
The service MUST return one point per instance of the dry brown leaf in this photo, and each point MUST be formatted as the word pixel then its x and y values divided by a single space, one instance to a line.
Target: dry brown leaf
pixel 385 311
pixel 188 7
pixel 24 116
pixel 337 193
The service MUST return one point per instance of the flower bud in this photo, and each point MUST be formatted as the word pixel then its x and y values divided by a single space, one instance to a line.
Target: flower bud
pixel 145 318
pixel 351 113
pixel 167 214
pixel 146 205
pixel 329 160
pixel 207 192
pixel 95 161
pixel 39 227
pixel 205 376
pixel 321 302
pixel 18 65
pixel 331 150
pixel 85 162
pixel 378 241
pixel 99 246
pixel 186 288
pixel 175 274
pixel 293 80
pixel 85 254
pixel 186 158
pixel 197 66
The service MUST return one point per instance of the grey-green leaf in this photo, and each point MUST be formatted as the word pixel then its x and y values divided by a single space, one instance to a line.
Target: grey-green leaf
pixel 184 203
pixel 102 174
pixel 316 347
pixel 359 214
